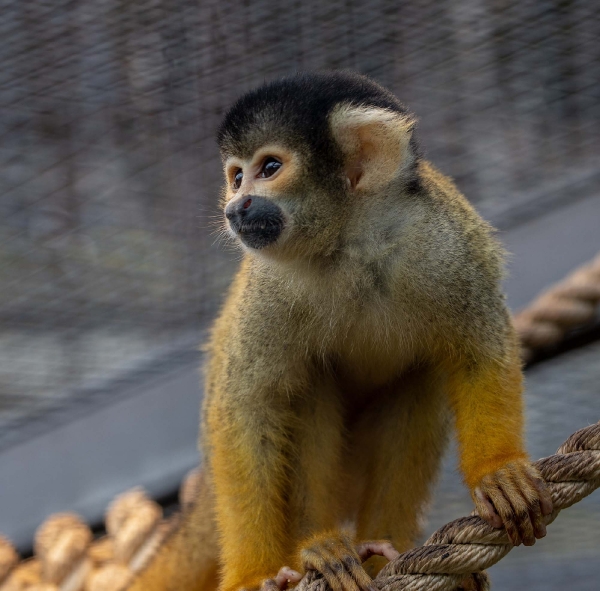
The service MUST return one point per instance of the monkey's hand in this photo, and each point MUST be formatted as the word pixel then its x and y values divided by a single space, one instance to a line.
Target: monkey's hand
pixel 340 563
pixel 516 497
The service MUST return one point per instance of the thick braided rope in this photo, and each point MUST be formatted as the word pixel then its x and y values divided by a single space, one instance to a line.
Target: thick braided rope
pixel 454 556
pixel 569 304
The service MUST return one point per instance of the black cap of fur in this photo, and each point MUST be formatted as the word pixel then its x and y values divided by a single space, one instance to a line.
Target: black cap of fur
pixel 295 110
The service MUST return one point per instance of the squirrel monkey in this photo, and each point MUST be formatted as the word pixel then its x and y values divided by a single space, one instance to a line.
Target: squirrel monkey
pixel 366 318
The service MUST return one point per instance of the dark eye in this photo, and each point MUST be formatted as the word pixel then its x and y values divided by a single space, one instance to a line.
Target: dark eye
pixel 270 167
pixel 237 179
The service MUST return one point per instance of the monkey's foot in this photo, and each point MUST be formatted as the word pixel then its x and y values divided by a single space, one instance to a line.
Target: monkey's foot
pixel 340 563
pixel 380 552
pixel 286 576
pixel 516 497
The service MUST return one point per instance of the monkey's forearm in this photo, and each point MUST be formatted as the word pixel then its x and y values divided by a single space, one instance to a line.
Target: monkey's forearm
pixel 488 408
pixel 249 472
pixel 507 489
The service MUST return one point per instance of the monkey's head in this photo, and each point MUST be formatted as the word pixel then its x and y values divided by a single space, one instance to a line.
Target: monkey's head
pixel 305 154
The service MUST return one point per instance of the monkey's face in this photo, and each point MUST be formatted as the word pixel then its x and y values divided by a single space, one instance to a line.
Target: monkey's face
pixel 252 213
pixel 305 157
pixel 270 206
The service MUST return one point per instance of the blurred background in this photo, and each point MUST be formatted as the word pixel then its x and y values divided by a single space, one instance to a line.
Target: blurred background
pixel 110 271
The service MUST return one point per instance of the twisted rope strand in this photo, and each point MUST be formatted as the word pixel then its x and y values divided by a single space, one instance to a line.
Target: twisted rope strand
pixel 567 305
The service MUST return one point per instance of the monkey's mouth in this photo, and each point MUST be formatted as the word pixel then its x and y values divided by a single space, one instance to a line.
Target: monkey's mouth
pixel 256 220
pixel 259 233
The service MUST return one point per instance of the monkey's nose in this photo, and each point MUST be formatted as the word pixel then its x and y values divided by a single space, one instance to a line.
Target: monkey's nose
pixel 256 220
pixel 238 208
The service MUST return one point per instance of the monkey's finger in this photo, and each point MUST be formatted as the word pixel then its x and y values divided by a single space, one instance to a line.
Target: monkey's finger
pixel 353 563
pixel 359 574
pixel 525 520
pixel 486 509
pixel 341 577
pixel 505 510
pixel 331 578
pixel 350 573
pixel 521 502
pixel 544 495
pixel 286 576
pixel 350 559
pixel 536 512
pixel 537 519
pixel 378 548
pixel 333 569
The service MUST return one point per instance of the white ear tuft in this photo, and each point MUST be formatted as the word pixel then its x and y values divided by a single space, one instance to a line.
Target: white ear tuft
pixel 375 143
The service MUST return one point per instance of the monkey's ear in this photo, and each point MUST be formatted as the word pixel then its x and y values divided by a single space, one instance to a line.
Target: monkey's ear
pixel 375 143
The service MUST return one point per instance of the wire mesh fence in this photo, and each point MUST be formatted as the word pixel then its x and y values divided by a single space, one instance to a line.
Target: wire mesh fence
pixel 110 172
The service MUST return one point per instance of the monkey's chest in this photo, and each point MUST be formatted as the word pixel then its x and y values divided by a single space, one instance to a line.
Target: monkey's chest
pixel 373 361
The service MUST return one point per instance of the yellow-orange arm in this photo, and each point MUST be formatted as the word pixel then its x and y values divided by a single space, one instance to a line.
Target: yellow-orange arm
pixel 486 398
pixel 249 473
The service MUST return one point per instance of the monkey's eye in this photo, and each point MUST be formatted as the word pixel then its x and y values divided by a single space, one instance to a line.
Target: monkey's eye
pixel 237 179
pixel 269 168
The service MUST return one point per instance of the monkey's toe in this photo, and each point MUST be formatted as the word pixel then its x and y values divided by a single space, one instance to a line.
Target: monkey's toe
pixel 338 562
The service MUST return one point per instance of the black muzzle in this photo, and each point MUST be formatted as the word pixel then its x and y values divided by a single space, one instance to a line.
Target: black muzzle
pixel 256 220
